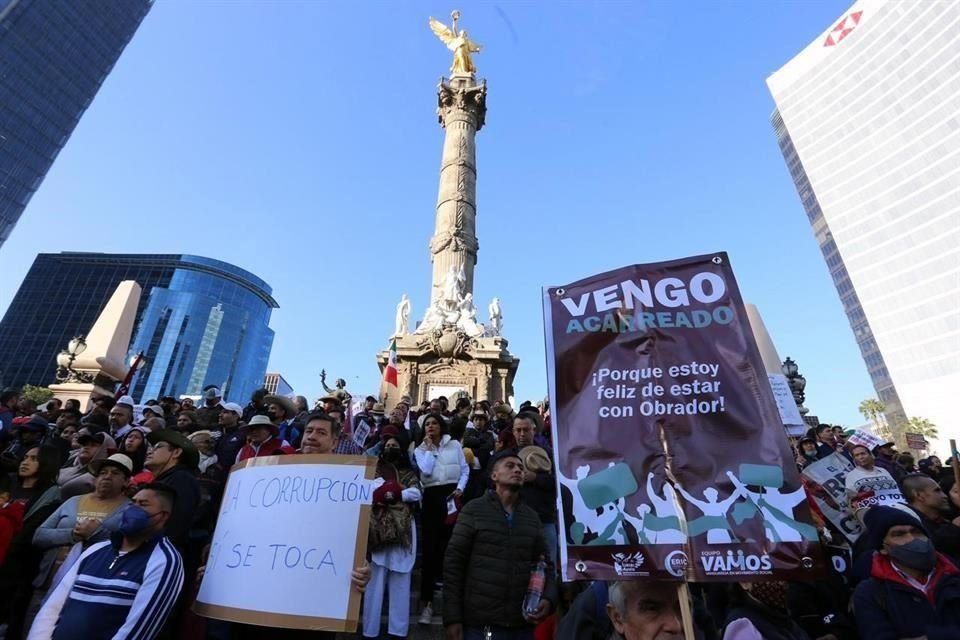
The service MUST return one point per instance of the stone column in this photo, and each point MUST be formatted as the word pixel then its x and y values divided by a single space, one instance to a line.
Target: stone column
pixel 461 110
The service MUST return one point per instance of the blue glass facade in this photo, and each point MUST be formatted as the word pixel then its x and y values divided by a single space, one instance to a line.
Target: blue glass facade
pixel 54 55
pixel 200 321
pixel 204 329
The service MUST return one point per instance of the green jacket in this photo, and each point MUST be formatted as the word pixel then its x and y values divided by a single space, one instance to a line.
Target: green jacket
pixel 488 564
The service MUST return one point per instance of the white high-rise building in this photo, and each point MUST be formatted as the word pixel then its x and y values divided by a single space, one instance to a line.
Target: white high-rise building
pixel 868 120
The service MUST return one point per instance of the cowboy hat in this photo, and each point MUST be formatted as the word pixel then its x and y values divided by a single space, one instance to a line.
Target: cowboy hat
pixel 118 460
pixel 535 458
pixel 190 456
pixel 288 409
pixel 261 421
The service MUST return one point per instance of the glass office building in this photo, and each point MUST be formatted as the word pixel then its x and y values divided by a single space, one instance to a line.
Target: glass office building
pixel 868 120
pixel 200 321
pixel 54 55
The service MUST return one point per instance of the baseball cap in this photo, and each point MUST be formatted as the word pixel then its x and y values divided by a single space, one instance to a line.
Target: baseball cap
pixel 118 460
pixel 232 407
pixel 212 393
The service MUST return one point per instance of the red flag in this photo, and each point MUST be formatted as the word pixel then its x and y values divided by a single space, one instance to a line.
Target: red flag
pixel 390 373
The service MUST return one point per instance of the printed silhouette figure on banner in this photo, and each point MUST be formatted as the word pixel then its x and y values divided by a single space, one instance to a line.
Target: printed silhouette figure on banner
pixel 664 527
pixel 714 518
pixel 776 507
pixel 598 507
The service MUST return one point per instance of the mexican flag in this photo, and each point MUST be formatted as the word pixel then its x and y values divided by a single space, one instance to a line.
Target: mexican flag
pixel 390 373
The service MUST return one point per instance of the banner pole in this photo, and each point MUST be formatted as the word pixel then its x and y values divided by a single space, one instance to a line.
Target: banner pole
pixel 686 610
pixel 956 460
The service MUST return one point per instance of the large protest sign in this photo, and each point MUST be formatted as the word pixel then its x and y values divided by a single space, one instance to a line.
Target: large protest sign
pixel 290 531
pixel 825 481
pixel 660 358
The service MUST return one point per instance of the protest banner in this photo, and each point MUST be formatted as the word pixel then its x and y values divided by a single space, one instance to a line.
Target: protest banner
pixel 290 528
pixel 916 441
pixel 825 480
pixel 866 439
pixel 656 363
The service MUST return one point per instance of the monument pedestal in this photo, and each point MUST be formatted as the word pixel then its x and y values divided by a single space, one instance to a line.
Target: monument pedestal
pixel 446 362
pixel 82 392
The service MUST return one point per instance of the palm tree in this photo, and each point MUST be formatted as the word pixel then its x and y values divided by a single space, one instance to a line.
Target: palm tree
pixel 922 426
pixel 871 409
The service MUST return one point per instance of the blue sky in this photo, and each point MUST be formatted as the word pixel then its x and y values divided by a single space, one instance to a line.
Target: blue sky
pixel 299 140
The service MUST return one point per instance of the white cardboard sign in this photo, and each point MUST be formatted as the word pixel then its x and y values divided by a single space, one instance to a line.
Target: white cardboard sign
pixel 290 531
pixel 786 405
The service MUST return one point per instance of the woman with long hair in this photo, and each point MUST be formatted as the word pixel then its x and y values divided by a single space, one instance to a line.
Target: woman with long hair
pixel 134 445
pixel 393 537
pixel 36 486
pixel 444 474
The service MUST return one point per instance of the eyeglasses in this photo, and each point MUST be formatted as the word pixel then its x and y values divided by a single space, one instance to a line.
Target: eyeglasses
pixel 161 445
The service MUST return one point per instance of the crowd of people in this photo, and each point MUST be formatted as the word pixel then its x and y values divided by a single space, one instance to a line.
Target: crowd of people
pixel 107 511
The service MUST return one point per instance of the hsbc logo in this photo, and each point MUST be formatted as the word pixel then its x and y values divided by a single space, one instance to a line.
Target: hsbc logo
pixel 847 24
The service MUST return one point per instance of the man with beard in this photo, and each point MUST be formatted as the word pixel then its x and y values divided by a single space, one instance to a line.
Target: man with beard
pixel 121 418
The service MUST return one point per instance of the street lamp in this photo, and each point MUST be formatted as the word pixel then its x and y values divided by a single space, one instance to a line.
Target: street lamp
pixel 797 383
pixel 65 359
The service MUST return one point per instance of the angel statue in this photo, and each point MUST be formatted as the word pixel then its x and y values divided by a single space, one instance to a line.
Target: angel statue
pixel 459 43
pixel 468 317
pixel 402 326
pixel 496 317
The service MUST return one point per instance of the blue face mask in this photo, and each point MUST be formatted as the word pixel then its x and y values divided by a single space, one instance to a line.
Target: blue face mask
pixel 134 520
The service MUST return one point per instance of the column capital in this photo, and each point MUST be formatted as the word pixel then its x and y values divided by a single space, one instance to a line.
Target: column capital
pixel 460 99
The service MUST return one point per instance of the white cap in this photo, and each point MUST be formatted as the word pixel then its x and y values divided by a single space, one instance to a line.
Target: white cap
pixel 232 406
pixel 127 400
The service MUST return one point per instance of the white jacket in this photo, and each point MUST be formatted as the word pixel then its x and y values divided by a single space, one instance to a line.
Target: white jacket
pixel 442 465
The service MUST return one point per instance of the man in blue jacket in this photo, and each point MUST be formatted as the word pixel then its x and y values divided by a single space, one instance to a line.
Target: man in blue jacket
pixel 913 591
pixel 121 588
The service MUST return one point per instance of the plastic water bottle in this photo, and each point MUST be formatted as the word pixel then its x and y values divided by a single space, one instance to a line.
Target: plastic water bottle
pixel 538 579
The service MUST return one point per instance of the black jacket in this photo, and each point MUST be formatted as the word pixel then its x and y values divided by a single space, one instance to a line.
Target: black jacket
pixel 481 443
pixel 491 561
pixel 186 485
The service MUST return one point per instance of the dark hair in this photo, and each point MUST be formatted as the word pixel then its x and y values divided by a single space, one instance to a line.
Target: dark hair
pixel 107 401
pixel 49 458
pixel 369 399
pixel 912 483
pixel 507 439
pixel 139 456
pixel 6 483
pixel 823 427
pixel 164 492
pixel 8 394
pixel 439 418
pixel 458 427
pixel 463 403
pixel 404 441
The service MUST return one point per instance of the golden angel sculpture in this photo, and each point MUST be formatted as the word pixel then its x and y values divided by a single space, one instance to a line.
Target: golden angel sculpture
pixel 459 43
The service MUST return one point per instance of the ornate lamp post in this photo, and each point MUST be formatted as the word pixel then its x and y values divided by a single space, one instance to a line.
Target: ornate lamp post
pixel 797 383
pixel 65 359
